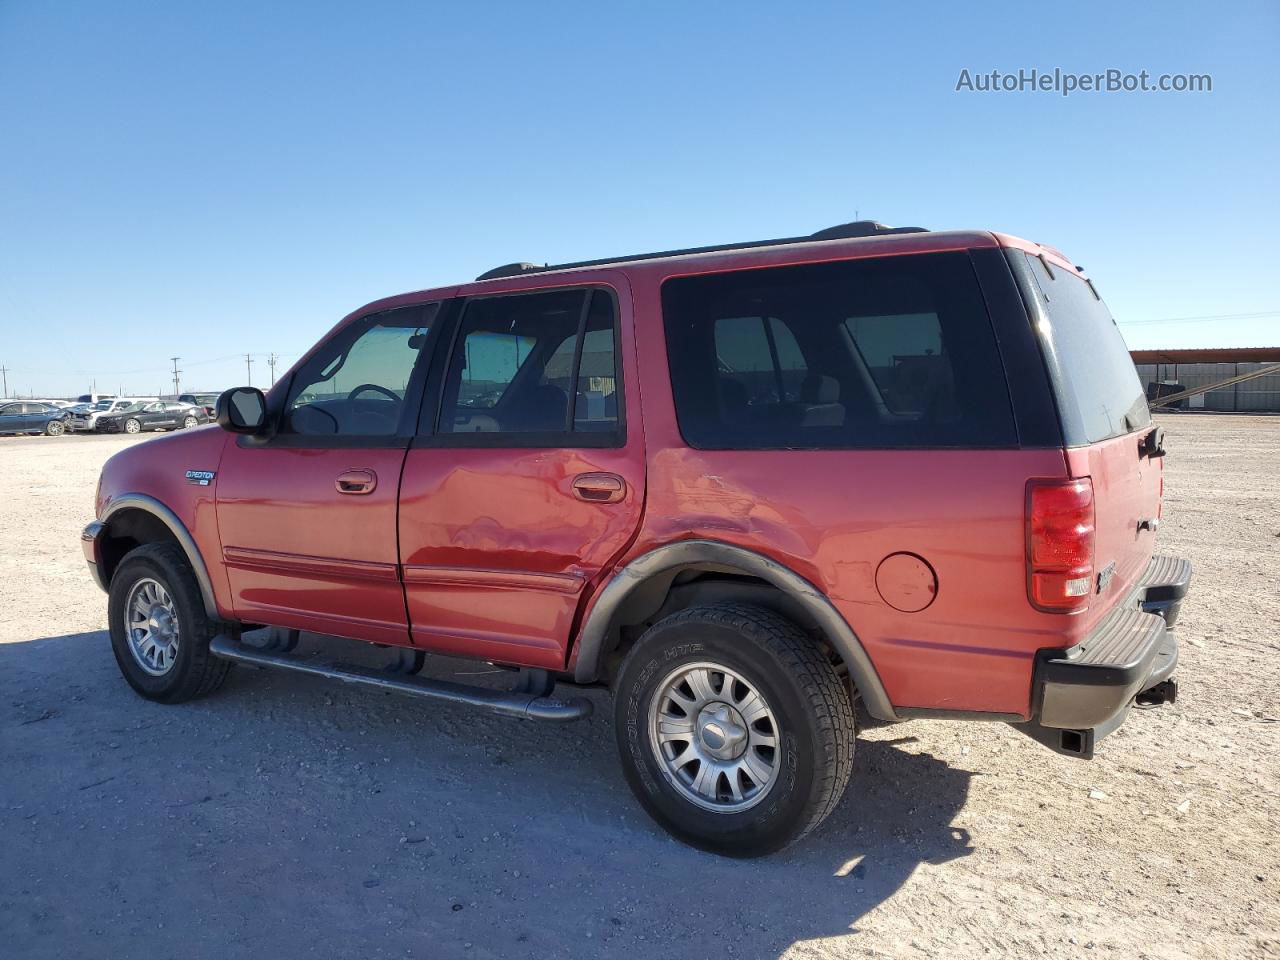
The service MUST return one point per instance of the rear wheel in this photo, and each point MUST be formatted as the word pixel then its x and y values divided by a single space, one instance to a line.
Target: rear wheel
pixel 189 422
pixel 160 631
pixel 735 731
pixel 132 426
pixel 54 428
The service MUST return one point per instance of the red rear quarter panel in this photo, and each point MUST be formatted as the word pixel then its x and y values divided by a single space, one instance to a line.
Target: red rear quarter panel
pixel 834 516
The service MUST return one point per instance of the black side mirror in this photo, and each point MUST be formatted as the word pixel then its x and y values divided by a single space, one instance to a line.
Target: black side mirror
pixel 242 410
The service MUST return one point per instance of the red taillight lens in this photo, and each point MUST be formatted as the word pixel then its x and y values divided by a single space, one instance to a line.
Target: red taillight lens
pixel 1060 544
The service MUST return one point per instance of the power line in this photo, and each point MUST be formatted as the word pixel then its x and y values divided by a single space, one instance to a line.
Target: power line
pixel 271 362
pixel 176 371
pixel 1206 318
pixel 248 369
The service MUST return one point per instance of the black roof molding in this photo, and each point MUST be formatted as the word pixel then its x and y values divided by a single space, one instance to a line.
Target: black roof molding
pixel 844 231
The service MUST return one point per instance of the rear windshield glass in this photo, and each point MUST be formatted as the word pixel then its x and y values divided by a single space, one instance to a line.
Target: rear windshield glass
pixel 883 353
pixel 1097 383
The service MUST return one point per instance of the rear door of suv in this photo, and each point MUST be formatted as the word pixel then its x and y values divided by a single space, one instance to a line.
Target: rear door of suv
pixel 525 481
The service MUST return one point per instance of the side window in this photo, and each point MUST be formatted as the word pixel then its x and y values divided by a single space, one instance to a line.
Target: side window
pixel 879 353
pixel 356 384
pixel 759 362
pixel 535 370
pixel 492 361
pixel 904 356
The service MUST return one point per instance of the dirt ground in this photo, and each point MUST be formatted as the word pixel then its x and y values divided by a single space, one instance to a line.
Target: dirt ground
pixel 290 817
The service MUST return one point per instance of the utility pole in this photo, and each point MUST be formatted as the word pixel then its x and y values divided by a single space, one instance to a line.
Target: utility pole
pixel 271 362
pixel 176 371
pixel 248 369
pixel 4 374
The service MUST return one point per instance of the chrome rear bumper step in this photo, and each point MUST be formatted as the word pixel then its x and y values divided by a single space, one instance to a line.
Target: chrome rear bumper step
pixel 512 704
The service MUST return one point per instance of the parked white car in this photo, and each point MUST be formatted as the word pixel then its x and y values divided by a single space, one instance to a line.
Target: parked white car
pixel 86 421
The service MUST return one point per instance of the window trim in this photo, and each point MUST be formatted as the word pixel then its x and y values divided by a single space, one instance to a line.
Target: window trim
pixel 429 434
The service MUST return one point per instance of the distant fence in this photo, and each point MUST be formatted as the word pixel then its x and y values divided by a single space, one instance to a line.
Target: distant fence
pixel 1261 395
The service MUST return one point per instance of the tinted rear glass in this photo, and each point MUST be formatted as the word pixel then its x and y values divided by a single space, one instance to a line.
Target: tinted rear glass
pixel 884 353
pixel 1097 384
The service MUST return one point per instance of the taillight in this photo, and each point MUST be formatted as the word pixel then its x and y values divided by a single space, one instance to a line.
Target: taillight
pixel 1060 544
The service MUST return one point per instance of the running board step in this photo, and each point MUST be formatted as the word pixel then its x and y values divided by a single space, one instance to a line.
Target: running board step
pixel 511 704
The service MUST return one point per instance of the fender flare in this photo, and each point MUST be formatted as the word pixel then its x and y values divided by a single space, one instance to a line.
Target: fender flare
pixel 687 553
pixel 140 501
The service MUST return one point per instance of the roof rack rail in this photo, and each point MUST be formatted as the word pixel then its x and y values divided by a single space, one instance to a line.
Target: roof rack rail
pixel 844 231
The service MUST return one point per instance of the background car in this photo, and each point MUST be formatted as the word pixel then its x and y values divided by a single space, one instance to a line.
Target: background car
pixel 205 400
pixel 157 415
pixel 32 416
pixel 86 419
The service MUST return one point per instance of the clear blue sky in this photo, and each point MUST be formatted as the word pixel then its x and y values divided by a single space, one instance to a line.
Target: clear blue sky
pixel 209 182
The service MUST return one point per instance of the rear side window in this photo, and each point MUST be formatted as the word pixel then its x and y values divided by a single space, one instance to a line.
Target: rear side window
pixel 868 354
pixel 534 370
pixel 763 356
pixel 1097 384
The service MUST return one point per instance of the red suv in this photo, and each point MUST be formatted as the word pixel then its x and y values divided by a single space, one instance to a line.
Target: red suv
pixel 744 487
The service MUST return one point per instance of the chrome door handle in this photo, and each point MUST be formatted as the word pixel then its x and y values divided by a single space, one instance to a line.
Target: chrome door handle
pixel 599 487
pixel 356 482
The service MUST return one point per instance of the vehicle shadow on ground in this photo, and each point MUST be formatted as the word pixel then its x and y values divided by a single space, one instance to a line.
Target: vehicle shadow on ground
pixel 289 816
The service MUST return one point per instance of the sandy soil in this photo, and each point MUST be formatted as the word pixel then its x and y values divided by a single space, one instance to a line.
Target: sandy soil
pixel 287 817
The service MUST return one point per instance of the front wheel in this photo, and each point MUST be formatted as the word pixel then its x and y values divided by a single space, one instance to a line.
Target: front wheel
pixel 736 733
pixel 54 428
pixel 189 422
pixel 132 426
pixel 160 631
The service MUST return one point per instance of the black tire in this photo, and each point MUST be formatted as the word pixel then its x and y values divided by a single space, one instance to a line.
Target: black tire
pixel 189 422
pixel 54 428
pixel 194 672
pixel 803 691
pixel 137 426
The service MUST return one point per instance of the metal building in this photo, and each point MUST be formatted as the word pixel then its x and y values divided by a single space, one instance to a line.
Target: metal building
pixel 1197 368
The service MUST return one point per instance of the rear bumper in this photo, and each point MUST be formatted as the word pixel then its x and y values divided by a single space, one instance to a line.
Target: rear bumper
pixel 1084 693
pixel 91 544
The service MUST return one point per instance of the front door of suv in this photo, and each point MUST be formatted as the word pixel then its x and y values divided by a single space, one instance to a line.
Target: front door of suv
pixel 515 498
pixel 308 516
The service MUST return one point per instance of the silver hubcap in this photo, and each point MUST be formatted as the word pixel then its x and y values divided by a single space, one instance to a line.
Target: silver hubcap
pixel 132 426
pixel 151 622
pixel 189 422
pixel 715 737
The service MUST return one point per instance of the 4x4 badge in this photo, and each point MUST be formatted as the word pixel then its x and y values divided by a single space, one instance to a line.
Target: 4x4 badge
pixel 201 478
